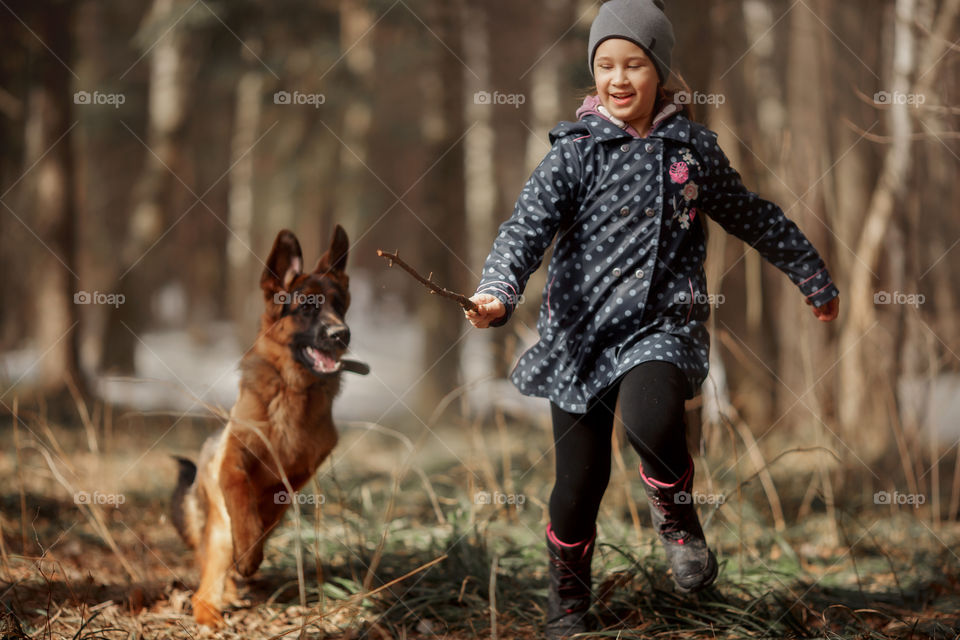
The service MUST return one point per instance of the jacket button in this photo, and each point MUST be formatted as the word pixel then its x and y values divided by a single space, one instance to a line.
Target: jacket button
pixel 639 273
pixel 650 212
pixel 616 272
pixel 625 148
pixel 625 211
pixel 649 148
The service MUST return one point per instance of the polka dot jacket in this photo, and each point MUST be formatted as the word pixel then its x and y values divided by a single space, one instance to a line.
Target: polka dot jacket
pixel 626 282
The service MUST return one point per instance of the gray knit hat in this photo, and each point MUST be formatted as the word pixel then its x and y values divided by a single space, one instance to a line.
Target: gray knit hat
pixel 643 23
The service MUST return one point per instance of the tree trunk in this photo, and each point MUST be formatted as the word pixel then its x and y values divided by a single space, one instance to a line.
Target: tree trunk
pixel 50 154
pixel 855 400
pixel 242 276
pixel 805 163
pixel 511 27
pixel 155 210
pixel 359 70
pixel 763 129
pixel 444 240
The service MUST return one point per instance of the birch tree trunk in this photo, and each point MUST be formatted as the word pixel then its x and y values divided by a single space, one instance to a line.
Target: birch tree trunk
pixel 854 397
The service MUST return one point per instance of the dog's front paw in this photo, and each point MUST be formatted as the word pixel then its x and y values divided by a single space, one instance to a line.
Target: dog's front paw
pixel 205 613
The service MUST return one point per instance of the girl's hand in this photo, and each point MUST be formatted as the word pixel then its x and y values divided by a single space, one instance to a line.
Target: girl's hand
pixel 828 311
pixel 489 310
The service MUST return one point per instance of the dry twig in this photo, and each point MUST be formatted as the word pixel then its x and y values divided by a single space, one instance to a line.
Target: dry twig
pixel 428 282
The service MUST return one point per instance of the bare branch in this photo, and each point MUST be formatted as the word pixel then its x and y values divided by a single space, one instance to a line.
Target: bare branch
pixel 933 135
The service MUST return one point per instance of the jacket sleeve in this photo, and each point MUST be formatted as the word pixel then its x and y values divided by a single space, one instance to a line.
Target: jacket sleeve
pixel 550 193
pixel 762 225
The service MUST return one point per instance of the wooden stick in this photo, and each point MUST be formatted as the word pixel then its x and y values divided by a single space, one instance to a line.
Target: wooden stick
pixel 428 282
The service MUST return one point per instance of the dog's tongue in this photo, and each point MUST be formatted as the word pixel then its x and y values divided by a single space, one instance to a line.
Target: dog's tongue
pixel 320 361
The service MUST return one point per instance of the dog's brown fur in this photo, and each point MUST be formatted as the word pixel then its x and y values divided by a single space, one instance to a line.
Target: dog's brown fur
pixel 227 505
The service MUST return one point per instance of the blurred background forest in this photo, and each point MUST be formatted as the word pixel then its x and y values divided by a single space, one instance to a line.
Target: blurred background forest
pixel 150 150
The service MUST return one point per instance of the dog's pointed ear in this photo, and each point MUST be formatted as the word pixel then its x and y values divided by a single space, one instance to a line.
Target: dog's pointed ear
pixel 284 264
pixel 335 259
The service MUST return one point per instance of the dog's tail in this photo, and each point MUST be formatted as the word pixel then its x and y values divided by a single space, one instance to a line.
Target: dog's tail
pixel 183 504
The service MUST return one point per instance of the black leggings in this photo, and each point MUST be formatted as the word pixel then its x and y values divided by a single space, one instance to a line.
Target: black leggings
pixel 651 406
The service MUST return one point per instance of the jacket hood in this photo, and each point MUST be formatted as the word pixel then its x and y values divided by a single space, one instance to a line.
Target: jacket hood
pixel 592 106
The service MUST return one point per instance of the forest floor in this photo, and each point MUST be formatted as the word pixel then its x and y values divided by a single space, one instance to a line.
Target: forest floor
pixel 405 539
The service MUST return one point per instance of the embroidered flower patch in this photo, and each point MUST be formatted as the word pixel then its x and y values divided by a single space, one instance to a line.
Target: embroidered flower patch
pixel 690 191
pixel 679 172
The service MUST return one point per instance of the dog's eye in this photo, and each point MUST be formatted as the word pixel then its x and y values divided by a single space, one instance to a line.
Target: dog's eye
pixel 338 304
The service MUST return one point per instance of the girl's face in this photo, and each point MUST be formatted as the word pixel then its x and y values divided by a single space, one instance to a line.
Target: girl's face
pixel 626 82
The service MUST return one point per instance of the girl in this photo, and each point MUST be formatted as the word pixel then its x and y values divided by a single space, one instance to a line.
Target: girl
pixel 624 190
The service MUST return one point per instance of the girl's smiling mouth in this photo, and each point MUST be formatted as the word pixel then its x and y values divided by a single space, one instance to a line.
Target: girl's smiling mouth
pixel 621 99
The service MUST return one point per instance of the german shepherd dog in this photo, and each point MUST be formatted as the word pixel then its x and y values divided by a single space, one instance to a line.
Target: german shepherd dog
pixel 227 504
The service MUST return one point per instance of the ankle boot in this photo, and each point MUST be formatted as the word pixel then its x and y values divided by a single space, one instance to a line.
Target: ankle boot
pixel 675 520
pixel 568 599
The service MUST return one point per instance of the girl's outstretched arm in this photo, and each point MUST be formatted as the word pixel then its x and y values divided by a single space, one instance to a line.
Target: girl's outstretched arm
pixel 763 225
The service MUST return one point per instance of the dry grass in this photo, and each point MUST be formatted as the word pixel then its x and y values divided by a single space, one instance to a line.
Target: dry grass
pixel 399 548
